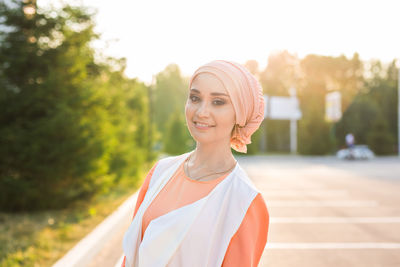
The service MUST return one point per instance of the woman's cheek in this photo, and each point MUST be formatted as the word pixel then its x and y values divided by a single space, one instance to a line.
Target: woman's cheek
pixel 229 117
pixel 187 107
pixel 189 113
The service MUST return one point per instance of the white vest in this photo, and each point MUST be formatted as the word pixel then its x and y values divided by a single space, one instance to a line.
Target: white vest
pixel 197 234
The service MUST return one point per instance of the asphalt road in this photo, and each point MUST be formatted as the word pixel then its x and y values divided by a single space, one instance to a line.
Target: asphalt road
pixel 328 212
pixel 323 212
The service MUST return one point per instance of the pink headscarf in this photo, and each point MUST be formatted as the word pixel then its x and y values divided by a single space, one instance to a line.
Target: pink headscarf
pixel 246 95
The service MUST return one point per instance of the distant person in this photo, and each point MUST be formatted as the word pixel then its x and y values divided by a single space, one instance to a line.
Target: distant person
pixel 350 140
pixel 200 208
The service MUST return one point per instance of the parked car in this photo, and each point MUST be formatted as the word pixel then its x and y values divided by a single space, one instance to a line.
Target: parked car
pixel 357 152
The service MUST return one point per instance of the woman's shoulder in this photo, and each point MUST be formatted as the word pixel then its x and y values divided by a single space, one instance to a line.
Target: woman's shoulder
pixel 240 190
pixel 242 182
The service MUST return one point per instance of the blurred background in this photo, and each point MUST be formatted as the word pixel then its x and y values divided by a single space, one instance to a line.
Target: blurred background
pixel 92 93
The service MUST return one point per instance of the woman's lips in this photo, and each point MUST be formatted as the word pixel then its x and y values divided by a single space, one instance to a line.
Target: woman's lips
pixel 202 126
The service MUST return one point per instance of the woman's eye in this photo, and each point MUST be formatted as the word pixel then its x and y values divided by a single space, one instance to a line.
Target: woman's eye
pixel 219 102
pixel 193 98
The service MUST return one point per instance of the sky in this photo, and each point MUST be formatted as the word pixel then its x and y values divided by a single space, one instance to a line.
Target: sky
pixel 152 34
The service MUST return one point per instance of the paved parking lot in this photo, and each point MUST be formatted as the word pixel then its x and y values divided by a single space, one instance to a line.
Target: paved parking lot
pixel 328 212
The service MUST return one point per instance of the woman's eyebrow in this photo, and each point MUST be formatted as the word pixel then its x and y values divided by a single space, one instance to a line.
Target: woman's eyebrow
pixel 215 94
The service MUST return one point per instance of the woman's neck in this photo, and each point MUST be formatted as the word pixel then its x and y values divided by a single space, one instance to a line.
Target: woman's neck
pixel 211 158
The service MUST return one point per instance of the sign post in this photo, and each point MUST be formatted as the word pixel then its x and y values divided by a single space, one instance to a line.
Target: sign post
pixel 293 123
pixel 283 108
pixel 398 113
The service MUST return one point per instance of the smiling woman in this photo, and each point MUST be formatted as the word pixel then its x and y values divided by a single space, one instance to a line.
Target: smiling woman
pixel 200 208
pixel 210 115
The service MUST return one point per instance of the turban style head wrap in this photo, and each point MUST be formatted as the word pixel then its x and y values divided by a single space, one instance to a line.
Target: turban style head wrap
pixel 246 95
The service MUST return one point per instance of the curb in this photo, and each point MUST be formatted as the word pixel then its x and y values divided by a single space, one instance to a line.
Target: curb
pixel 88 247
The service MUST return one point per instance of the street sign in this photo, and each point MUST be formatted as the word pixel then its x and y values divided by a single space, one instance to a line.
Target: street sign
pixel 282 108
pixel 333 107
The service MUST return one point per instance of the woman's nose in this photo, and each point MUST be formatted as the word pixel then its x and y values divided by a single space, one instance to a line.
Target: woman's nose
pixel 203 110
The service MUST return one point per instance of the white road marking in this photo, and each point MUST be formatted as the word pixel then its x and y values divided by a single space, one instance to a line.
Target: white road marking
pixel 332 246
pixel 334 220
pixel 321 203
pixel 321 193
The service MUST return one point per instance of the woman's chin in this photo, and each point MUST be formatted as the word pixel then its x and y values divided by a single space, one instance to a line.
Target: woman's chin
pixel 203 140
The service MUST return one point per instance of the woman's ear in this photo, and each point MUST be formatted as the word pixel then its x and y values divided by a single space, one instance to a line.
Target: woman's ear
pixel 233 129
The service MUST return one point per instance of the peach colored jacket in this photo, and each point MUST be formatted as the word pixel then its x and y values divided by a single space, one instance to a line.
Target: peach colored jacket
pixel 248 242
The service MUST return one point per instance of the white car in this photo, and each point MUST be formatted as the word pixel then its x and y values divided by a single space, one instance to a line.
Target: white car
pixel 357 152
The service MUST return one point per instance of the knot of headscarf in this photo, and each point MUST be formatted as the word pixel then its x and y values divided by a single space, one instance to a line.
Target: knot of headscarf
pixel 246 95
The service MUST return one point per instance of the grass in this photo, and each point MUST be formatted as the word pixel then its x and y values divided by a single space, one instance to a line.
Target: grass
pixel 41 238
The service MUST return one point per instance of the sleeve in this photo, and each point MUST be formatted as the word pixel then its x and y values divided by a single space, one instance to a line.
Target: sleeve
pixel 248 243
pixel 143 190
pixel 141 195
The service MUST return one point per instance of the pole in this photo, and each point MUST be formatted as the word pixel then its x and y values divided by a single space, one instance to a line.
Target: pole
pixel 398 112
pixel 263 143
pixel 293 136
pixel 293 124
pixel 263 136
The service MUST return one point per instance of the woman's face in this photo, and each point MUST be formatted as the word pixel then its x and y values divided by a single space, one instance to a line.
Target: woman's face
pixel 209 104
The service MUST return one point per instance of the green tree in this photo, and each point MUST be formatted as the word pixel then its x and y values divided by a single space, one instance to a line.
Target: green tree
pixel 357 119
pixel 380 139
pixel 382 89
pixel 372 116
pixel 70 126
pixel 279 76
pixel 170 92
pixel 254 147
pixel 128 112
pixel 320 75
pixel 315 135
pixel 177 138
pixel 51 148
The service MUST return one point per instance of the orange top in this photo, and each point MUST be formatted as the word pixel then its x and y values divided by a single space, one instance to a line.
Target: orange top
pixel 246 246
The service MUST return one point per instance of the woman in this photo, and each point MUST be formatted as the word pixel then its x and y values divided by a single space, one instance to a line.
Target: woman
pixel 200 208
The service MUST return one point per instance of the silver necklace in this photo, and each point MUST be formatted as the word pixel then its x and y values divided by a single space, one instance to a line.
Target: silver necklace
pixel 198 178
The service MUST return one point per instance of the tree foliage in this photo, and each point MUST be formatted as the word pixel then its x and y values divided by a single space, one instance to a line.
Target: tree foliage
pixel 372 116
pixel 70 126
pixel 369 96
pixel 170 93
pixel 319 76
pixel 177 137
